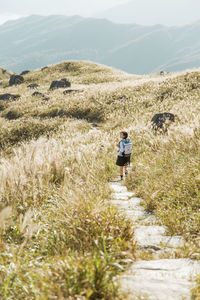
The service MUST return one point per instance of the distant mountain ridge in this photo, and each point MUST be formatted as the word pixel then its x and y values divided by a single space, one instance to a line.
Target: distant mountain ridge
pixel 36 41
pixel 150 12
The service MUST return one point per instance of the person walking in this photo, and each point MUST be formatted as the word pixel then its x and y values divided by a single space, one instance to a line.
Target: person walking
pixel 124 155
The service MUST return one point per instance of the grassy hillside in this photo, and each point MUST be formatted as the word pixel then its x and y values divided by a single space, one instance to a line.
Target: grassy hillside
pixel 4 74
pixel 36 41
pixel 59 237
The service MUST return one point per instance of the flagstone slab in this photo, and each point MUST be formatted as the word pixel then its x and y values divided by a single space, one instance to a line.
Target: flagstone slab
pixel 156 279
pixel 164 279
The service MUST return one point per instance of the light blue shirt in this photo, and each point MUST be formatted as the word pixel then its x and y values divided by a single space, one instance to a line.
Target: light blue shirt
pixel 121 148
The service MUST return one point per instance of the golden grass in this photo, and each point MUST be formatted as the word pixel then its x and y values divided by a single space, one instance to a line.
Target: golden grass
pixel 4 74
pixel 62 240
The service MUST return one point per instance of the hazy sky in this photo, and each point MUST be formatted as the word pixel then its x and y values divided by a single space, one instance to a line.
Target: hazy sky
pixel 146 12
pixel 14 8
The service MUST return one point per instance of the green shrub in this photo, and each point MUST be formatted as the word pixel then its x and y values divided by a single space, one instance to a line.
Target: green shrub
pixel 21 131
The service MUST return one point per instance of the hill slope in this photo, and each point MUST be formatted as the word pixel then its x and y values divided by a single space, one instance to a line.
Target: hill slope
pixel 59 236
pixel 4 74
pixel 36 41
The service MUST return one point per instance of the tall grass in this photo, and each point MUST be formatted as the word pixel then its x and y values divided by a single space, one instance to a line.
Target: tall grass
pixel 62 240
pixel 59 238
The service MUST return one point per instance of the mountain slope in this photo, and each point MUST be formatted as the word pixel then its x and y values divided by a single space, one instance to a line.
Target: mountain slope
pixel 36 41
pixel 60 236
pixel 145 12
pixel 4 74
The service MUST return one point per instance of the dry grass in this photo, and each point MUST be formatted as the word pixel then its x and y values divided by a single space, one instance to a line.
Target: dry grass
pixel 196 291
pixel 4 74
pixel 61 240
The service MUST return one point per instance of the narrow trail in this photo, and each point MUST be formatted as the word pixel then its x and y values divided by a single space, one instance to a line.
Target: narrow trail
pixel 162 276
pixel 158 278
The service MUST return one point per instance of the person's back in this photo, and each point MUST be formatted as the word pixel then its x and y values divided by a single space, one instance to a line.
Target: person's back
pixel 124 155
pixel 127 146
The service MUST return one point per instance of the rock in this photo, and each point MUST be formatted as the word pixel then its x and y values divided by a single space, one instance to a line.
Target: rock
pixel 121 196
pixel 160 279
pixel 164 94
pixel 156 279
pixel 24 72
pixel 69 91
pixel 61 113
pixel 154 235
pixel 159 120
pixel 8 97
pixel 122 98
pixel 136 214
pixel 60 84
pixel 33 86
pixel 44 68
pixel 152 247
pixel 12 115
pixel 46 98
pixel 38 94
pixel 195 86
pixel 149 219
pixel 162 73
pixel 2 106
pixel 16 79
pixel 187 77
pixel 126 204
pixel 117 188
pixel 95 127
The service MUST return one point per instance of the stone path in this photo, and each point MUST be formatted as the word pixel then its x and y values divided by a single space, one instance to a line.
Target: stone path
pixel 156 279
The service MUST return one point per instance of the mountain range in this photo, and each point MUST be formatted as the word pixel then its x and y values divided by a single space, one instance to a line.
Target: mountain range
pixel 151 12
pixel 36 41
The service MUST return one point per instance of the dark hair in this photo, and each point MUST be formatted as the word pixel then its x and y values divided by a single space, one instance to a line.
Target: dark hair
pixel 125 134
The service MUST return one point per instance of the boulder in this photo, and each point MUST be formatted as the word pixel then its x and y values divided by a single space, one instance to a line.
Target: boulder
pixel 16 79
pixel 60 83
pixel 159 120
pixel 44 68
pixel 46 98
pixel 165 94
pixel 24 72
pixel 69 91
pixel 8 97
pixel 12 115
pixel 33 86
pixel 61 113
pixel 38 94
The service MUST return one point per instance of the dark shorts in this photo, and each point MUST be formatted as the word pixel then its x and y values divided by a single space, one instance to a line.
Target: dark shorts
pixel 123 161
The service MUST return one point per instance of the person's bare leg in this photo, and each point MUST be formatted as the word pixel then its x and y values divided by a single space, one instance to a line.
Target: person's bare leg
pixel 121 172
pixel 126 170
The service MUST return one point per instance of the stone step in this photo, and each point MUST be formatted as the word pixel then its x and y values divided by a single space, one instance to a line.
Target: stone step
pixel 165 279
pixel 118 188
pixel 154 235
pixel 158 279
pixel 127 204
pixel 123 196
